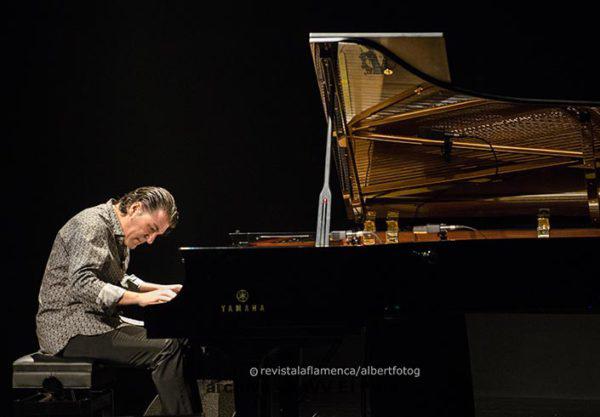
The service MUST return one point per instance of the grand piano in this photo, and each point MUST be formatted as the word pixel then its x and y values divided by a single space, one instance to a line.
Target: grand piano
pixel 475 248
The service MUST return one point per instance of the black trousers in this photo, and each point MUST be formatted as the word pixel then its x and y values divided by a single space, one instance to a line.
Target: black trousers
pixel 130 346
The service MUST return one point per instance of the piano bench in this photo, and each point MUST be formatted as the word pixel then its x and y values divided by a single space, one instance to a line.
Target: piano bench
pixel 60 386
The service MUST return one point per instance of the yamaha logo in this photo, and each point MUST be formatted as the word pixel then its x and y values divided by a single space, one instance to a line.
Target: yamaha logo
pixel 242 296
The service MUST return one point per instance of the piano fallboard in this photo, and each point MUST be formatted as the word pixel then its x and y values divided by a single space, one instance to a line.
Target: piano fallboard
pixel 262 292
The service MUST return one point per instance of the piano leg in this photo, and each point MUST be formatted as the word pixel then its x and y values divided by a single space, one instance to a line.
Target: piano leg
pixel 254 396
pixel 231 362
pixel 288 387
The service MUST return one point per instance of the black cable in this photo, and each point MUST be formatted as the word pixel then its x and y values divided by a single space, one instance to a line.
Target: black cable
pixel 489 144
pixel 462 226
pixel 454 135
pixel 369 163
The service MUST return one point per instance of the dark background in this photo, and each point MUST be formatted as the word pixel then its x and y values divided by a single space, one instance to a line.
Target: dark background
pixel 219 104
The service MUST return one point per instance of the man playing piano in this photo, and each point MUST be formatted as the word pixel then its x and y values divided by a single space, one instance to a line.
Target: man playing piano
pixel 85 282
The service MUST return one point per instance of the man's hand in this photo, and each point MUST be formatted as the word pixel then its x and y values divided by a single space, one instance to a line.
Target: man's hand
pixel 173 287
pixel 156 297
pixel 150 286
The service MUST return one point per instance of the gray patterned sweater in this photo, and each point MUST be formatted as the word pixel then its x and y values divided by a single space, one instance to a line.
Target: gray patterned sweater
pixel 84 279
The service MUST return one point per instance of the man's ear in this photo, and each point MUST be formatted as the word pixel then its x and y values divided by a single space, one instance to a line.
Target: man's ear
pixel 135 208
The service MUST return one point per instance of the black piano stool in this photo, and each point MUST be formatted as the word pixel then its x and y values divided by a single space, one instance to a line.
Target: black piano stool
pixel 51 385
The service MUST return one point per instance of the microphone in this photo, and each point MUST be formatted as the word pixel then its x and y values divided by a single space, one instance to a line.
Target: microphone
pixel 439 134
pixel 435 228
pixel 350 235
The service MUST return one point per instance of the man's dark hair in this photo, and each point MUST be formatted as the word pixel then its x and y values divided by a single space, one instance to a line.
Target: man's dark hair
pixel 152 199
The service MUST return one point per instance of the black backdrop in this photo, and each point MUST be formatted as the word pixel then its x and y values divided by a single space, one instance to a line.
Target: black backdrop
pixel 218 103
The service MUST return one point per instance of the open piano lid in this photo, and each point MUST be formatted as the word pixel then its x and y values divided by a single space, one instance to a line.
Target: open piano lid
pixel 410 141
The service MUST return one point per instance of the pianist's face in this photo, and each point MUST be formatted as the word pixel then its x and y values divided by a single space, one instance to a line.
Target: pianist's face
pixel 142 226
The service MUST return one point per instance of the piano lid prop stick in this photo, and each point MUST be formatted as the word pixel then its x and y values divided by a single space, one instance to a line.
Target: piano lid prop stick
pixel 324 214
